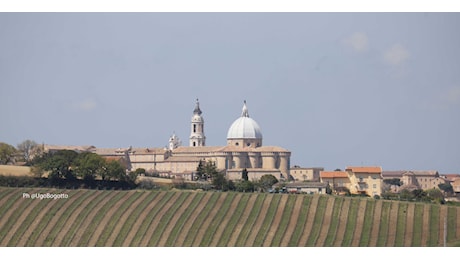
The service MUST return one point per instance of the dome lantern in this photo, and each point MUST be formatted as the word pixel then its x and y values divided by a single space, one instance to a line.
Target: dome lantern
pixel 244 131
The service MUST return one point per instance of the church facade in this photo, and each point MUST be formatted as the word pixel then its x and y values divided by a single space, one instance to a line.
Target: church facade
pixel 244 150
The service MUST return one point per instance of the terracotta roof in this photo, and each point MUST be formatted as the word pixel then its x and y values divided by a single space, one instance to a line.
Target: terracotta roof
pixel 334 174
pixel 365 169
pixel 451 177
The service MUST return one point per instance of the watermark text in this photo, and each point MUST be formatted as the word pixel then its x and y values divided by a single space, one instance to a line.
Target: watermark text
pixel 47 195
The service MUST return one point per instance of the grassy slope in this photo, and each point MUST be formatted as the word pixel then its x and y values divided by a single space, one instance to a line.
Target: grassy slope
pixel 186 218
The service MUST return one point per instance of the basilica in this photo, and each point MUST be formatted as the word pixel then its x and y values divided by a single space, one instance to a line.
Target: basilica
pixel 244 150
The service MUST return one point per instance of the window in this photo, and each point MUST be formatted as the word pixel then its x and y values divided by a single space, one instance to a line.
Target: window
pixel 194 129
pixel 360 179
pixel 374 186
pixel 248 144
pixel 194 143
pixel 236 143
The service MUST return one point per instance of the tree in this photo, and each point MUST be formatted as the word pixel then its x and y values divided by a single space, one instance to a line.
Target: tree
pixel 244 186
pixel 446 188
pixel 7 153
pixel 114 170
pixel 207 170
pixel 244 175
pixel 200 174
pixel 435 195
pixel 219 181
pixel 89 165
pixel 392 182
pixel 267 181
pixel 59 164
pixel 28 149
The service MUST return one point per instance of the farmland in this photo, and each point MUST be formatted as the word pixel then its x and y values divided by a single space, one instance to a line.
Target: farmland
pixel 178 218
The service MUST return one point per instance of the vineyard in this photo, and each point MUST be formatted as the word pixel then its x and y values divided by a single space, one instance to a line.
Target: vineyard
pixel 137 218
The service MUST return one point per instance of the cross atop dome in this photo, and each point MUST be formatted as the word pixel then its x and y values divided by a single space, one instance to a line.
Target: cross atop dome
pixel 245 112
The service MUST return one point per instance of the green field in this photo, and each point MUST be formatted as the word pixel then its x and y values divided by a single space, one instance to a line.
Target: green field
pixel 88 218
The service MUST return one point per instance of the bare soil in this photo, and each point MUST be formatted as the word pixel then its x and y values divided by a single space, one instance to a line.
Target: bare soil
pixel 240 224
pixel 174 219
pixel 124 217
pixel 276 221
pixel 20 220
pixel 223 224
pixel 409 225
pixel 310 219
pixel 259 221
pixel 326 222
pixel 359 223
pixel 185 229
pixel 293 221
pixel 376 226
pixel 426 225
pixel 156 220
pixel 342 226
pixel 137 224
pixel 87 221
pixel 207 222
pixel 392 224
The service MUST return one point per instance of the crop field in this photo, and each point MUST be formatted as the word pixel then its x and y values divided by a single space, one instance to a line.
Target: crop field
pixel 139 218
pixel 13 170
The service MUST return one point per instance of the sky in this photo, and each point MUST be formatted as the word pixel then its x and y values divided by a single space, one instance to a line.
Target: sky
pixel 336 89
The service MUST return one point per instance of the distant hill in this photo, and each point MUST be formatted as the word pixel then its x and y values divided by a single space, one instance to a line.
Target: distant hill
pixel 209 219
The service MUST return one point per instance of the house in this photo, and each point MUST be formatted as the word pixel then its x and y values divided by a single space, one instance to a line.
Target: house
pixel 305 174
pixel 365 180
pixel 306 187
pixel 337 180
pixel 411 180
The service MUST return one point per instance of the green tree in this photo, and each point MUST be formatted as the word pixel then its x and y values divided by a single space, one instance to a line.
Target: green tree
pixel 200 173
pixel 446 188
pixel 207 170
pixel 28 149
pixel 89 165
pixel 393 181
pixel 219 182
pixel 435 195
pixel 139 171
pixel 244 175
pixel 267 181
pixel 244 186
pixel 7 153
pixel 115 171
pixel 59 164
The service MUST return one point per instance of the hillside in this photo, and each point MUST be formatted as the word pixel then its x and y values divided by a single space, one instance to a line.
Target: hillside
pixel 209 219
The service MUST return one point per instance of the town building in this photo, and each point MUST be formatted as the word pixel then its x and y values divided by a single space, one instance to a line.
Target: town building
pixel 243 150
pixel 411 180
pixel 338 181
pixel 305 174
pixel 357 180
pixel 365 180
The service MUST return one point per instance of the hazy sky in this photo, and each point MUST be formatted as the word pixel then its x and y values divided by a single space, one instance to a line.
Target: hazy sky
pixel 336 89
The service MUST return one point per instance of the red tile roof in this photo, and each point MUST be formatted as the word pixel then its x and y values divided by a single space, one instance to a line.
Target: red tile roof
pixel 365 169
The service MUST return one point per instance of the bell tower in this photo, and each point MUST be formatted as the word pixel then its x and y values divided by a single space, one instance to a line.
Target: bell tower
pixel 197 137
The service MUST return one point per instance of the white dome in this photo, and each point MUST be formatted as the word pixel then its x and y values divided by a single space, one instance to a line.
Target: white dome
pixel 244 127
